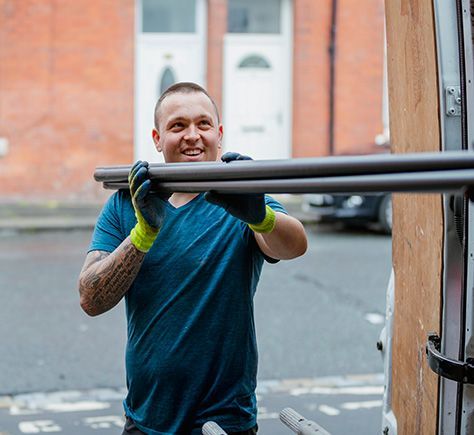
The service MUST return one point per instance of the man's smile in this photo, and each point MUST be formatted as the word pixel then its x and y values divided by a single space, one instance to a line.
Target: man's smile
pixel 192 152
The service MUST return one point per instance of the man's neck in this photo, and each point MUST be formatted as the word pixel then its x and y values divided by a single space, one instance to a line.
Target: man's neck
pixel 179 199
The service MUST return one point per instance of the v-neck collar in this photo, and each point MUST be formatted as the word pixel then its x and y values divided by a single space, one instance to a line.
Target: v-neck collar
pixel 184 206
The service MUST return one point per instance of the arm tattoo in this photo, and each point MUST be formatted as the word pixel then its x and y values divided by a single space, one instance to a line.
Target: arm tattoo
pixel 106 277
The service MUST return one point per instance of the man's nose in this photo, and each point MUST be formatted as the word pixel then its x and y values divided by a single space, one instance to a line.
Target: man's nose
pixel 192 134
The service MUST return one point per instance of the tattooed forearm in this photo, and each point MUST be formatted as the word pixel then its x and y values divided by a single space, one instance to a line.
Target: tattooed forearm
pixel 106 277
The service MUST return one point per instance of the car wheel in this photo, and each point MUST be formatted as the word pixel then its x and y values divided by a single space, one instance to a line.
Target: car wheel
pixel 385 214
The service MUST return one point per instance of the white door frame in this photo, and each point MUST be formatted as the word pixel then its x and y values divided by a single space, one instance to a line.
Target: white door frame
pixel 201 33
pixel 286 25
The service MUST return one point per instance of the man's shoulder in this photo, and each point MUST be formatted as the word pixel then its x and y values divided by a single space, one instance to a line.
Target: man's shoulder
pixel 119 203
pixel 119 198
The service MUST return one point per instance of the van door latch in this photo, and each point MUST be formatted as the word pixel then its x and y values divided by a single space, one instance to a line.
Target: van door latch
pixel 458 371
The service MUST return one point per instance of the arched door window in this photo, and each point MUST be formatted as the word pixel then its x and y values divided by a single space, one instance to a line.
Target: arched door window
pixel 167 79
pixel 254 61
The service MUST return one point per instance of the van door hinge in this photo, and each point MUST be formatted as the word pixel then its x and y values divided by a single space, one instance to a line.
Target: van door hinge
pixel 458 371
pixel 453 100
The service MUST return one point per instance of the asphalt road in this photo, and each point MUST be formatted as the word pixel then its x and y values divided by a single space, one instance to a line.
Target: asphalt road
pixel 318 316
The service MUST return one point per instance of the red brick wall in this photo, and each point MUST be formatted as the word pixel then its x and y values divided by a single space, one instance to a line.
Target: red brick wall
pixel 217 27
pixel 310 77
pixel 67 87
pixel 359 75
pixel 66 94
pixel 358 81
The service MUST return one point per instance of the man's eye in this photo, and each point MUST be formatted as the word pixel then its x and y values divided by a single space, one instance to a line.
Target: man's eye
pixel 177 125
pixel 205 122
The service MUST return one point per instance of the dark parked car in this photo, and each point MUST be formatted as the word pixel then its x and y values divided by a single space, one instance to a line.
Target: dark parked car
pixel 352 209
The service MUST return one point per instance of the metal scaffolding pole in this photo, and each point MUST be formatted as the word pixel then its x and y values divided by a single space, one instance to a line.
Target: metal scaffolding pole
pixel 428 181
pixel 295 168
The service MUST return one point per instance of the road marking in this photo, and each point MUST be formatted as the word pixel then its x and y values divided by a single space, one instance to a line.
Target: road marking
pixel 100 399
pixel 76 406
pixel 330 382
pixel 62 401
pixel 329 410
pixel 362 390
pixel 268 415
pixel 353 406
pixel 5 402
pixel 38 426
pixel 104 422
pixel 264 414
pixel 19 410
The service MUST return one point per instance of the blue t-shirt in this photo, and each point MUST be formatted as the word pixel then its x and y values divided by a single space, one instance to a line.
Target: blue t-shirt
pixel 191 352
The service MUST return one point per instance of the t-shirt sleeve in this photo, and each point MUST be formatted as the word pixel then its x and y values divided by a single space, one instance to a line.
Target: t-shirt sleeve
pixel 274 204
pixel 108 233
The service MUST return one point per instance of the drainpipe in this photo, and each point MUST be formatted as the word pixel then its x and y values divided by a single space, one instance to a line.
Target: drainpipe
pixel 332 75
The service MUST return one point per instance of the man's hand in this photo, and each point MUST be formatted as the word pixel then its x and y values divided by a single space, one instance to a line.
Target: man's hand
pixel 249 208
pixel 149 208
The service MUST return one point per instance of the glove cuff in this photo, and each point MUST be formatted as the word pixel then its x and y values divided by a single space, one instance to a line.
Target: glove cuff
pixel 143 237
pixel 268 223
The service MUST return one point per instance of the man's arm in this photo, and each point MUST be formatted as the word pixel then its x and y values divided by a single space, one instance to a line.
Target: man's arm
pixel 106 277
pixel 278 235
pixel 287 240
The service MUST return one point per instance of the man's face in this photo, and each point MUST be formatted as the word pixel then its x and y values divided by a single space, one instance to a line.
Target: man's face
pixel 188 128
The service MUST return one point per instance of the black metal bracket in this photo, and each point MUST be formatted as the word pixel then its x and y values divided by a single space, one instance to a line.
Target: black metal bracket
pixel 458 371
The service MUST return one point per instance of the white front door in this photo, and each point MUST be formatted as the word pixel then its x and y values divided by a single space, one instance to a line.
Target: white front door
pixel 170 48
pixel 257 79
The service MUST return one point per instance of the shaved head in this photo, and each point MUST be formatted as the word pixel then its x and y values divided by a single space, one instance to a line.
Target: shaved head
pixel 183 88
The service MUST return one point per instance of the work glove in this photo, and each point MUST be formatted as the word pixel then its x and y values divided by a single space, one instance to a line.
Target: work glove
pixel 149 208
pixel 249 208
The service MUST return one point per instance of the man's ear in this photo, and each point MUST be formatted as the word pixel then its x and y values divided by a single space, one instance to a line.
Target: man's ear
pixel 156 139
pixel 221 134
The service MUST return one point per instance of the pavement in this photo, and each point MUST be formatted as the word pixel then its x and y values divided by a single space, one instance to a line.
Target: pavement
pixel 336 403
pixel 47 215
pixel 55 215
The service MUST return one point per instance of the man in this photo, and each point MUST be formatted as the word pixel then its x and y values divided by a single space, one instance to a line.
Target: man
pixel 188 267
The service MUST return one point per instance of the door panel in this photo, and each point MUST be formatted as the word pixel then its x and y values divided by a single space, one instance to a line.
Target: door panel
pixel 163 58
pixel 257 79
pixel 254 114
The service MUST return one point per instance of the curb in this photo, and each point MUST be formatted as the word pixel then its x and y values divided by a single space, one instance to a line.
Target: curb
pixel 61 217
pixel 46 224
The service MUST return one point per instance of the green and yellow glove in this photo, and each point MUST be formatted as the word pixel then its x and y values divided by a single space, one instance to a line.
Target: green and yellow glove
pixel 268 223
pixel 149 208
pixel 249 208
